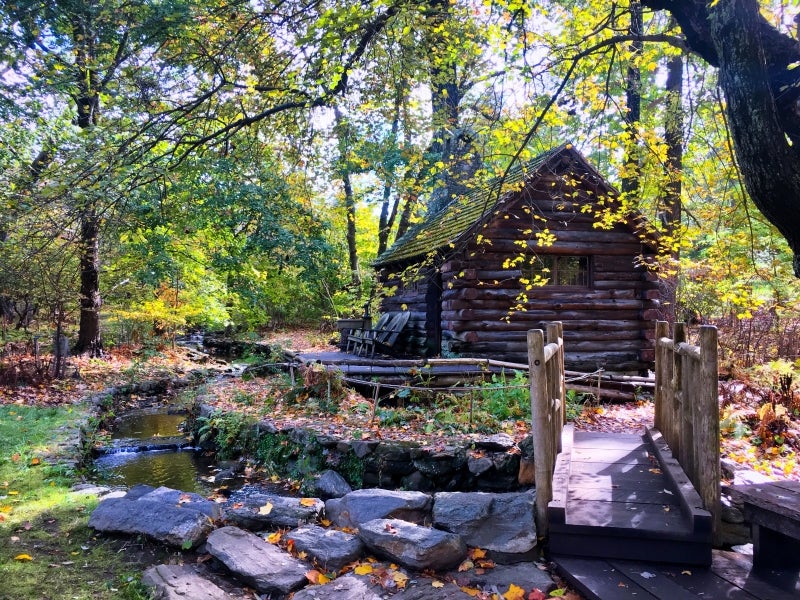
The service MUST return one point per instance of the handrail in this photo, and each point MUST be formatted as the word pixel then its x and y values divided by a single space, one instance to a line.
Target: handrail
pixel 548 394
pixel 687 408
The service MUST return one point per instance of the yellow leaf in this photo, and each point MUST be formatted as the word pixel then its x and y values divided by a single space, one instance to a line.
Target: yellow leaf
pixel 35 461
pixel 13 493
pixel 302 555
pixel 363 569
pixel 308 502
pixel 266 509
pixel 470 591
pixel 400 578
pixel 514 593
pixel 6 509
pixel 274 538
pixel 437 584
pixel 325 522
pixel 23 557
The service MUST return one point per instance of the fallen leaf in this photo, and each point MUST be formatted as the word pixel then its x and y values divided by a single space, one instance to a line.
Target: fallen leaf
pixel 400 578
pixel 325 522
pixel 308 502
pixel 184 498
pixel 266 509
pixel 475 553
pixel 274 538
pixel 437 584
pixel 15 457
pixel 536 594
pixel 13 493
pixel 514 593
pixel 647 574
pixel 302 555
pixel 465 566
pixel 363 569
pixel 23 557
pixel 470 591
pixel 655 471
pixel 35 461
pixel 316 577
pixel 686 572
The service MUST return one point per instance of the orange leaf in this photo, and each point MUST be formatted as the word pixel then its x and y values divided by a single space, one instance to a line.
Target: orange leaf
pixel 514 593
pixel 477 553
pixel 470 591
pixel 308 502
pixel 274 538
pixel 316 577
pixel 15 457
pixel 34 462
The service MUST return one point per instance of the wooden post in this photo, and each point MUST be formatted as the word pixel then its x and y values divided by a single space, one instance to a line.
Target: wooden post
pixel 661 420
pixel 683 383
pixel 543 450
pixel 555 335
pixel 706 430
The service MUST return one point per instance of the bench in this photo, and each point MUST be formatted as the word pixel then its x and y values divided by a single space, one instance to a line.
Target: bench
pixel 773 510
pixel 384 335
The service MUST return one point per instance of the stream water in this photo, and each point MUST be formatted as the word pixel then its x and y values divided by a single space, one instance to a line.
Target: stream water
pixel 149 447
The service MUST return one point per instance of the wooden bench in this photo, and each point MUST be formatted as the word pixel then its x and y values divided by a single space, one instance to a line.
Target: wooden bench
pixel 773 510
pixel 384 335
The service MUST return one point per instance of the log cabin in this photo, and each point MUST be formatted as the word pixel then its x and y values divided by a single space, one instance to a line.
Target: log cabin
pixel 540 245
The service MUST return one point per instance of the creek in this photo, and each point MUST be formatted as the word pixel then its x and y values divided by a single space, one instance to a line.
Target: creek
pixel 149 447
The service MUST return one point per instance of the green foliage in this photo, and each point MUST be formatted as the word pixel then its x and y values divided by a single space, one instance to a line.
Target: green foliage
pixel 351 467
pixel 321 391
pixel 233 433
pixel 505 398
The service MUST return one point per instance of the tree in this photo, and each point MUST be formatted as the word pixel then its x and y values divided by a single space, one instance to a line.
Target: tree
pixel 757 73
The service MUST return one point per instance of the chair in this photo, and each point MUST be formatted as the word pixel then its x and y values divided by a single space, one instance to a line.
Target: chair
pixel 356 336
pixel 383 337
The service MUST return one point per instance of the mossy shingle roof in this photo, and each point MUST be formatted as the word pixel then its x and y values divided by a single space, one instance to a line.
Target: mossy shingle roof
pixel 461 215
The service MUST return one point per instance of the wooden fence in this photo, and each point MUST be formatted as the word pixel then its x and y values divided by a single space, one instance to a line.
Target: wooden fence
pixel 687 408
pixel 548 395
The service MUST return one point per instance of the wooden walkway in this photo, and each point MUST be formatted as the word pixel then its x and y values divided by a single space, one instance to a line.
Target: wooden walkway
pixel 625 523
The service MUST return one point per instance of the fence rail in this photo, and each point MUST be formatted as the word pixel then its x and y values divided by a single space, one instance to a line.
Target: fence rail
pixel 687 408
pixel 548 395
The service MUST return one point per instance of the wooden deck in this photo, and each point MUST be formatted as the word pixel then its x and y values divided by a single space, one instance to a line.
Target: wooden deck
pixel 621 496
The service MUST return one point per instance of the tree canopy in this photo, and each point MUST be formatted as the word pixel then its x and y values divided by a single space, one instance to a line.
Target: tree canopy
pixel 173 163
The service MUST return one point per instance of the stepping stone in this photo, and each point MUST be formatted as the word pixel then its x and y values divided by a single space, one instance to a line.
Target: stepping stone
pixel 265 567
pixel 181 582
pixel 349 587
pixel 182 527
pixel 258 511
pixel 413 546
pixel 330 548
pixel 365 505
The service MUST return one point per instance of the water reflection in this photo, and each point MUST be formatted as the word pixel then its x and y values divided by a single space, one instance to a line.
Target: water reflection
pixel 181 470
pixel 142 426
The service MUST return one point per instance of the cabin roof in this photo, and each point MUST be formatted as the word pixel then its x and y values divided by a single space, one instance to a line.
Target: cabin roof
pixel 458 217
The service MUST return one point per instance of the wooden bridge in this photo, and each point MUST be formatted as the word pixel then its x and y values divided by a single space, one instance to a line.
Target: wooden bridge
pixel 636 515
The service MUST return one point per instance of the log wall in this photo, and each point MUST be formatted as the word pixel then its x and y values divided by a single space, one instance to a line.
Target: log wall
pixel 608 324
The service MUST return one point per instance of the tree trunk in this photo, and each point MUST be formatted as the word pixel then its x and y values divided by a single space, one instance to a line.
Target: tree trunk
pixel 343 133
pixel 633 114
pixel 761 86
pixel 89 328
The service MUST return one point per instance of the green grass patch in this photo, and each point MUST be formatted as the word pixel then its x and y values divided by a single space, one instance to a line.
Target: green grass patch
pixel 46 549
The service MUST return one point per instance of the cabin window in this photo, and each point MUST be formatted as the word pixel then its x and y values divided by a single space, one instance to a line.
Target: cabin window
pixel 563 271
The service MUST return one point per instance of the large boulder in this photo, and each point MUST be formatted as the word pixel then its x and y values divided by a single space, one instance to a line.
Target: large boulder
pixel 503 523
pixel 331 485
pixel 413 546
pixel 179 582
pixel 361 506
pixel 165 522
pixel 265 567
pixel 331 549
pixel 183 500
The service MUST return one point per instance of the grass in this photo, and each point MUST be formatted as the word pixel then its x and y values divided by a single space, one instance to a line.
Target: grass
pixel 47 551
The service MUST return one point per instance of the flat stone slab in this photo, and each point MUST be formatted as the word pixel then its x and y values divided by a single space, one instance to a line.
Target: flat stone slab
pixel 330 548
pixel 348 587
pixel 265 567
pixel 184 500
pixel 259 511
pixel 526 575
pixel 181 582
pixel 413 546
pixel 182 527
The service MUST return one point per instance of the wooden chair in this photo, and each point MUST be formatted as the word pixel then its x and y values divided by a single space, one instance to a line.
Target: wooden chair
pixel 357 336
pixel 383 337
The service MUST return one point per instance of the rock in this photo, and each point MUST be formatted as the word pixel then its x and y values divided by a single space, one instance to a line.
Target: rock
pixel 747 477
pixel 265 567
pixel 349 587
pixel 450 591
pixel 330 548
pixel 182 527
pixel 436 464
pixel 139 490
pixel 413 546
pixel 361 506
pixel 526 575
pixel 331 485
pixel 502 523
pixel 179 582
pixel 501 442
pixel 732 534
pixel 417 482
pixel 479 466
pixel 526 446
pixel 728 512
pixel 248 508
pixel 183 500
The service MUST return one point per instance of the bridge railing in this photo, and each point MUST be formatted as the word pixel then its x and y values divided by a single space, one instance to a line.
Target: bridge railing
pixel 548 395
pixel 687 408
